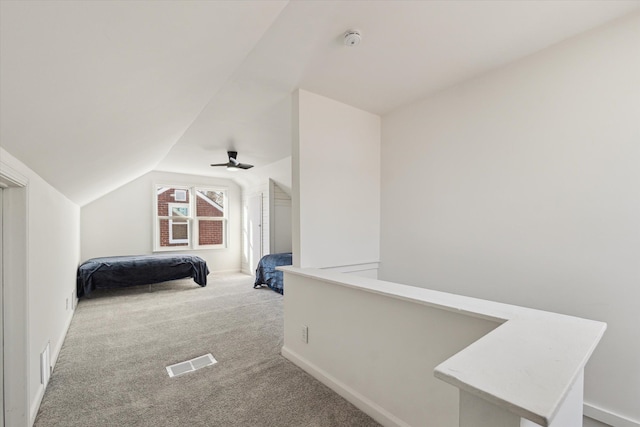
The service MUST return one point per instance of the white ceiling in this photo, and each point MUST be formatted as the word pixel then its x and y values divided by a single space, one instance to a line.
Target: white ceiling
pixel 95 94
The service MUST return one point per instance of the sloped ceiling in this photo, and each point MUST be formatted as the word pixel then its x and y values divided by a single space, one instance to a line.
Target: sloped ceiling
pixel 95 94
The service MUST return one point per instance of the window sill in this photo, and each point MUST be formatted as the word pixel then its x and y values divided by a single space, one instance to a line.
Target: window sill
pixel 186 248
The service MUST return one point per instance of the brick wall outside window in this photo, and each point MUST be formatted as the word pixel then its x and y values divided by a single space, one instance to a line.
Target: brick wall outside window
pixel 210 231
pixel 203 208
pixel 163 200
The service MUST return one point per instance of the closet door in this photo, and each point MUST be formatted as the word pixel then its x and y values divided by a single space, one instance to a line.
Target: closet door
pixel 255 230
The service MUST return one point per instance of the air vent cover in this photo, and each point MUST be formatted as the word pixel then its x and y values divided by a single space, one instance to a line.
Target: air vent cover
pixel 191 365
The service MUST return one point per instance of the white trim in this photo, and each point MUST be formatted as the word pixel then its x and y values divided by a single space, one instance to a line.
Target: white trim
pixel 224 218
pixel 12 177
pixel 173 241
pixel 608 417
pixel 361 402
pixel 171 205
pixel 233 270
pixel 186 219
pixel 16 298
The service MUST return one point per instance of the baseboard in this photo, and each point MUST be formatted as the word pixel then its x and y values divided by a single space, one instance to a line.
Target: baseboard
pixel 35 406
pixel 358 400
pixel 247 270
pixel 608 417
pixel 387 419
pixel 227 271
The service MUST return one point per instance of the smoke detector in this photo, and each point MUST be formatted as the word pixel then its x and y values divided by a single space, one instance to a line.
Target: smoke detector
pixel 352 38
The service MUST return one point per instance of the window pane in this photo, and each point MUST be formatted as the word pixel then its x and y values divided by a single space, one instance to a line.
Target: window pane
pixel 166 195
pixel 179 230
pixel 179 209
pixel 174 232
pixel 209 203
pixel 210 232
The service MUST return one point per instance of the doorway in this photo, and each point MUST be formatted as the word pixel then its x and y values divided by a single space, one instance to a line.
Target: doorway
pixel 255 230
pixel 13 301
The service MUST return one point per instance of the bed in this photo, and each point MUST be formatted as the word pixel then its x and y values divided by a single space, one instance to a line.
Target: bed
pixel 266 273
pixel 125 271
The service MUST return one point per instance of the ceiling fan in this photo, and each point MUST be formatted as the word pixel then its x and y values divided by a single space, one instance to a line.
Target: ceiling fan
pixel 233 164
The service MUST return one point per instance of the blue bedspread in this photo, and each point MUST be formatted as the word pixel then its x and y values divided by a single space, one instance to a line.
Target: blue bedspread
pixel 266 273
pixel 124 271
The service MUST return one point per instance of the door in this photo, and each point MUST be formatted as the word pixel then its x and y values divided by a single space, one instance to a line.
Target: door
pixel 255 231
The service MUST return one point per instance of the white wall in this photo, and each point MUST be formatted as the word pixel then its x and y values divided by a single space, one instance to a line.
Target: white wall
pixel 377 351
pixel 53 254
pixel 336 183
pixel 523 186
pixel 121 222
pixel 279 172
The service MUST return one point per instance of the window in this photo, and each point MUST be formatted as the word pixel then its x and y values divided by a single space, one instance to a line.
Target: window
pixel 210 214
pixel 189 218
pixel 179 222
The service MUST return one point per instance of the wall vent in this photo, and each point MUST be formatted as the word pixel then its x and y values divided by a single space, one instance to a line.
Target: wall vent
pixel 191 365
pixel 45 365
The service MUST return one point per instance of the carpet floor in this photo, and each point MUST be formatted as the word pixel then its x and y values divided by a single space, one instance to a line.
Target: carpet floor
pixel 111 368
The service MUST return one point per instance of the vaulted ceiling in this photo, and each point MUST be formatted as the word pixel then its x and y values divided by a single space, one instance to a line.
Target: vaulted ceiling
pixel 95 94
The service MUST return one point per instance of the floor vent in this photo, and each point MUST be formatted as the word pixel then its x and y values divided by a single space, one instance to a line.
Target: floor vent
pixel 191 365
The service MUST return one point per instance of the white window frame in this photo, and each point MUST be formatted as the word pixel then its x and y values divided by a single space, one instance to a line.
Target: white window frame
pixel 222 218
pixel 192 219
pixel 170 206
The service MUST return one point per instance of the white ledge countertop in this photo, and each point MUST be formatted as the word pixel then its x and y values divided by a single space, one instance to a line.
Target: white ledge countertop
pixel 527 365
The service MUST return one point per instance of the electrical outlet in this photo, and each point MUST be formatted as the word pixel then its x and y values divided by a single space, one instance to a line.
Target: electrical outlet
pixel 305 334
pixel 73 300
pixel 66 307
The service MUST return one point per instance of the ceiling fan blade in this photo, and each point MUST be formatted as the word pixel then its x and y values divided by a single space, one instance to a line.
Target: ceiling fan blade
pixel 233 162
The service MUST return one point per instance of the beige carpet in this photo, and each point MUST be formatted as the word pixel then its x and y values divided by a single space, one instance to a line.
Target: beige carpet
pixel 111 369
